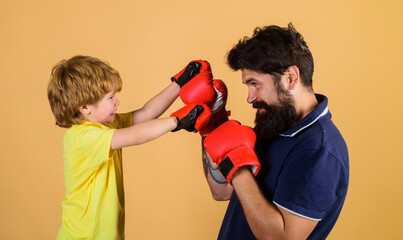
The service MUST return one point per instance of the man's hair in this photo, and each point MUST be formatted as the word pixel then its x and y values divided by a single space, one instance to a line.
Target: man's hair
pixel 79 81
pixel 273 50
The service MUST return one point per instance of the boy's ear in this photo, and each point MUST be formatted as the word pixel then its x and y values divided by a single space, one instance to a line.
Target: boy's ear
pixel 84 109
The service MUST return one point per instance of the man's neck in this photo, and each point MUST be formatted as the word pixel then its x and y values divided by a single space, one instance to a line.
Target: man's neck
pixel 305 103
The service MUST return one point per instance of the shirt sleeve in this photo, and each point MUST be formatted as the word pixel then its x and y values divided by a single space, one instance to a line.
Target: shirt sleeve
pixel 96 141
pixel 308 184
pixel 95 144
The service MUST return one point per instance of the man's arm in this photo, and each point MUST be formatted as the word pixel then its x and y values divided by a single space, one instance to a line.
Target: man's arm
pixel 266 220
pixel 157 105
pixel 231 146
pixel 220 189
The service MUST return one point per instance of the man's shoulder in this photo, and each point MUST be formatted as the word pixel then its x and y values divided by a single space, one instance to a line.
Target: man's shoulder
pixel 324 139
pixel 324 135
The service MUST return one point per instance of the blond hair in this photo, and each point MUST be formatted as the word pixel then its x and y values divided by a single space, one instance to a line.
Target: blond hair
pixel 79 81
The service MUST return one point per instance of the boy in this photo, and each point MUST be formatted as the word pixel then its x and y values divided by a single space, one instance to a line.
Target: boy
pixel 82 95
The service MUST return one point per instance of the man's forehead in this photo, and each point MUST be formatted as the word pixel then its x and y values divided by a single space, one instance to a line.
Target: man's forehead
pixel 251 75
pixel 247 75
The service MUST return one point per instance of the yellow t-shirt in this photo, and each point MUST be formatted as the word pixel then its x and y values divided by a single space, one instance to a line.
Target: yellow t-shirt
pixel 93 207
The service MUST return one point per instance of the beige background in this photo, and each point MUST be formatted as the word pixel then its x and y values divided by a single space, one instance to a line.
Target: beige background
pixel 357 47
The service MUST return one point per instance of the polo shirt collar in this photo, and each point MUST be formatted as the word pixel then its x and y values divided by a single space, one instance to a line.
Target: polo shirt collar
pixel 320 111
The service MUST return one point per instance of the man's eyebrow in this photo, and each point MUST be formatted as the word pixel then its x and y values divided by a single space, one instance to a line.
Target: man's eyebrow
pixel 248 80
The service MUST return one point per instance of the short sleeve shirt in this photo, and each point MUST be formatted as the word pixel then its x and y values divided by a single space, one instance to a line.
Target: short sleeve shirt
pixel 93 207
pixel 305 171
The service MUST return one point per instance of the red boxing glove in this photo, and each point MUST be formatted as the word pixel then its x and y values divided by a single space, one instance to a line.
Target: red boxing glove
pixel 219 114
pixel 192 117
pixel 192 69
pixel 199 89
pixel 231 146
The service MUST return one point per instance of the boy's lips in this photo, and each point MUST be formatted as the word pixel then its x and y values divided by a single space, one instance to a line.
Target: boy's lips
pixel 113 114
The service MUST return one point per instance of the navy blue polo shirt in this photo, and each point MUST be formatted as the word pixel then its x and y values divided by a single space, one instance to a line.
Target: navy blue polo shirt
pixel 305 171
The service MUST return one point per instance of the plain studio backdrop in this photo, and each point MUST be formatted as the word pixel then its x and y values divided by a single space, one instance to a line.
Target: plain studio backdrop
pixel 357 48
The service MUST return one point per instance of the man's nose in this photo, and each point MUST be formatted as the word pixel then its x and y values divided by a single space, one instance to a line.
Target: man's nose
pixel 251 96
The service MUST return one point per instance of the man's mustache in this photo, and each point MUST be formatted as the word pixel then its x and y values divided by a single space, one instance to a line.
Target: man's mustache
pixel 260 105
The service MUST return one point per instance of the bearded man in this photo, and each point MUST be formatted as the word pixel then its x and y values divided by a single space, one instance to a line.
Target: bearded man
pixel 301 186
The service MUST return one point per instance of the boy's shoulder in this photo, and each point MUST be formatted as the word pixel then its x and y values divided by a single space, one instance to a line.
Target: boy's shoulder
pixel 86 135
pixel 122 120
pixel 85 125
pixel 82 128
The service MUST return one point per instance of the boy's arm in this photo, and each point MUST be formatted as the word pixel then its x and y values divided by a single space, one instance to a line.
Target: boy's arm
pixel 157 105
pixel 163 100
pixel 190 117
pixel 142 132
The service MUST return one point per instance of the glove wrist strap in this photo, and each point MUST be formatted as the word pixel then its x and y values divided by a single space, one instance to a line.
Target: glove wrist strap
pixel 226 166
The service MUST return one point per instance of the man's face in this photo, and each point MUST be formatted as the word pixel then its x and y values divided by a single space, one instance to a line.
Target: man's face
pixel 276 111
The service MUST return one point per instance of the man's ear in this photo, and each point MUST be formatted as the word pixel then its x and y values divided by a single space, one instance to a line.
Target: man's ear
pixel 84 109
pixel 293 78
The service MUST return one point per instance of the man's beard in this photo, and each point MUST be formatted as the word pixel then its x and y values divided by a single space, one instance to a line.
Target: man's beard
pixel 276 118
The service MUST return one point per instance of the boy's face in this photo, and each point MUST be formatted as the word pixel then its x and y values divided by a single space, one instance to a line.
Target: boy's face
pixel 104 111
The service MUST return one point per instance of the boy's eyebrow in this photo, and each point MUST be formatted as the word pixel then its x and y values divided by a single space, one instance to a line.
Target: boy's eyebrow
pixel 110 93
